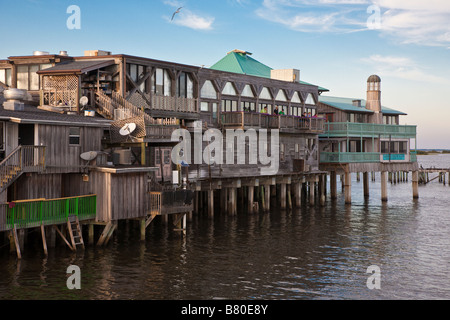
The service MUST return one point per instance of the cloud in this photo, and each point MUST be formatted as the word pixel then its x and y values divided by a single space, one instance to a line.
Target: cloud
pixel 415 21
pixel 189 19
pixel 402 68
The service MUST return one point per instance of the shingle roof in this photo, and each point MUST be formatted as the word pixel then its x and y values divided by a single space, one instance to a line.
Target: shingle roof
pixel 34 115
pixel 346 104
pixel 238 61
pixel 81 66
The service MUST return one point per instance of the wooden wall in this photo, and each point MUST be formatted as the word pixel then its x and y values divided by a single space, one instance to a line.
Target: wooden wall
pixel 60 156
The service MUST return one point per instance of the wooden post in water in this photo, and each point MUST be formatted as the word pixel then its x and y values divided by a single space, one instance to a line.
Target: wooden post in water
pixel 91 234
pixel 366 184
pixel 415 184
pixel 44 240
pixel 210 203
pixel 266 198
pixel 333 185
pixel 348 187
pixel 250 198
pixel 322 183
pixel 384 196
pixel 312 189
pixel 298 194
pixel 283 195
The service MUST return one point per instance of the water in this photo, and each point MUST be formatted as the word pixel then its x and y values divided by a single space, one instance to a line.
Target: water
pixel 311 253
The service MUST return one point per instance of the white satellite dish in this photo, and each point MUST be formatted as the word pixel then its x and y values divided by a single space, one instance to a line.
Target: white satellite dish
pixel 127 129
pixel 89 156
pixel 84 101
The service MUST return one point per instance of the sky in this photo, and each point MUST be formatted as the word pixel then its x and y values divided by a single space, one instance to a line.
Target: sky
pixel 336 44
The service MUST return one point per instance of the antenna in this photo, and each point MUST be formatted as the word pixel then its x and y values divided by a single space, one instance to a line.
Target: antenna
pixel 127 130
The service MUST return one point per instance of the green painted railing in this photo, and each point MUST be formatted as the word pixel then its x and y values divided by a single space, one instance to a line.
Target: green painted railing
pixel 352 129
pixel 349 157
pixel 33 213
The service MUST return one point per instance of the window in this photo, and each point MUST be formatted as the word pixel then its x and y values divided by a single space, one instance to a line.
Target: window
pixel 204 106
pixel 229 105
pixel 161 83
pixel 265 94
pixel 310 99
pixel 27 77
pixel 5 76
pixel 229 89
pixel 185 86
pixel 214 110
pixel 247 92
pixel 281 96
pixel 266 106
pixel 74 136
pixel 296 98
pixel 208 91
pixel 248 106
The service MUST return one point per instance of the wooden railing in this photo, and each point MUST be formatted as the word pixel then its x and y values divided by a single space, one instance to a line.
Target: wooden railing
pixel 107 105
pixel 37 212
pixel 353 129
pixel 20 160
pixel 243 119
pixel 155 203
pixel 160 131
pixel 175 104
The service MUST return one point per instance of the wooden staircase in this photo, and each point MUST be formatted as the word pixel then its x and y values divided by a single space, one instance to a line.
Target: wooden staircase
pixel 74 229
pixel 21 159
pixel 106 106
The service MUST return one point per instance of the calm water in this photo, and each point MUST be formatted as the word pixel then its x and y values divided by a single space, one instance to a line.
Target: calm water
pixel 312 253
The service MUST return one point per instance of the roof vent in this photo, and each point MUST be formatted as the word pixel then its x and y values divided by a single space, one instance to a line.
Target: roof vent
pixel 241 52
pixel 63 53
pixel 40 53
pixel 357 103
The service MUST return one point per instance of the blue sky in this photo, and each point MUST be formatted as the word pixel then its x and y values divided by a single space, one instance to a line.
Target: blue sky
pixel 337 44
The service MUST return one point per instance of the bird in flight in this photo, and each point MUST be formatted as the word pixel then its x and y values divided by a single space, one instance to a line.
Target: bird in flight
pixel 178 11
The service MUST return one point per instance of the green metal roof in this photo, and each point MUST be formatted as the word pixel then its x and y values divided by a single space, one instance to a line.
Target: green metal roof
pixel 240 62
pixel 346 104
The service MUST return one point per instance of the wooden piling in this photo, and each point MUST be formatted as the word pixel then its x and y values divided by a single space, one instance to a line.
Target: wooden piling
pixel 415 184
pixel 333 185
pixel 348 187
pixel 366 184
pixel 384 196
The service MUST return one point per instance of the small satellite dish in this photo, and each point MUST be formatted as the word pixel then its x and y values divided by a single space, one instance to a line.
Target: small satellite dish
pixel 127 129
pixel 89 156
pixel 84 101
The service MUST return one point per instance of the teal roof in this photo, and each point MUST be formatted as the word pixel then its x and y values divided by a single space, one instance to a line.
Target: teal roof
pixel 240 62
pixel 346 104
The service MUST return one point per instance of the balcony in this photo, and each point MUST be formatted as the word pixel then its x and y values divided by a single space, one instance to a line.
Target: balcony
pixel 245 120
pixel 34 213
pixel 367 130
pixel 174 104
pixel 365 157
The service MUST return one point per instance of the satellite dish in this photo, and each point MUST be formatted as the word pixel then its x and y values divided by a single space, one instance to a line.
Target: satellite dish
pixel 127 129
pixel 84 101
pixel 89 156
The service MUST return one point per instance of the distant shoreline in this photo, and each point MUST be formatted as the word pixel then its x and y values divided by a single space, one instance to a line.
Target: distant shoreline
pixel 432 152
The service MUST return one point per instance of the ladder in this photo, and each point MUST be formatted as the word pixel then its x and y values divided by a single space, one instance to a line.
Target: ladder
pixel 74 229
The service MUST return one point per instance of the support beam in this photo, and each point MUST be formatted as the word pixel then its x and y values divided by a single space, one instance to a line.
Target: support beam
pixel 267 198
pixel 333 185
pixel 250 198
pixel 283 195
pixel 384 196
pixel 16 242
pixel 348 187
pixel 142 224
pixel 415 184
pixel 366 184
pixel 210 203
pixel 312 192
pixel 298 194
pixel 44 240
pixel 91 234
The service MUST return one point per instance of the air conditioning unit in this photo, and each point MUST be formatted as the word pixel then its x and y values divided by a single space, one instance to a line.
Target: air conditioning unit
pixel 124 156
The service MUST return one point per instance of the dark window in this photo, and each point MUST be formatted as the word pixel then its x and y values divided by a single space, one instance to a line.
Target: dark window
pixel 74 136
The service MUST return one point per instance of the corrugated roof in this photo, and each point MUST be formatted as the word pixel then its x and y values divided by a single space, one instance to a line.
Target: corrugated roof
pixel 346 104
pixel 238 61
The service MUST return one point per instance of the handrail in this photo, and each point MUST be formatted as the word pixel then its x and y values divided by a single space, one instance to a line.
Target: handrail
pixel 21 159
pixel 368 129
pixel 34 213
pixel 271 121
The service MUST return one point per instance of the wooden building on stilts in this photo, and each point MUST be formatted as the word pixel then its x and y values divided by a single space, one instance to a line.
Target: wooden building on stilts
pixel 362 136
pixel 103 138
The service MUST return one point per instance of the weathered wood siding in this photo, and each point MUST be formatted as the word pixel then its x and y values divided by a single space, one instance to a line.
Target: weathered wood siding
pixel 36 186
pixel 62 157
